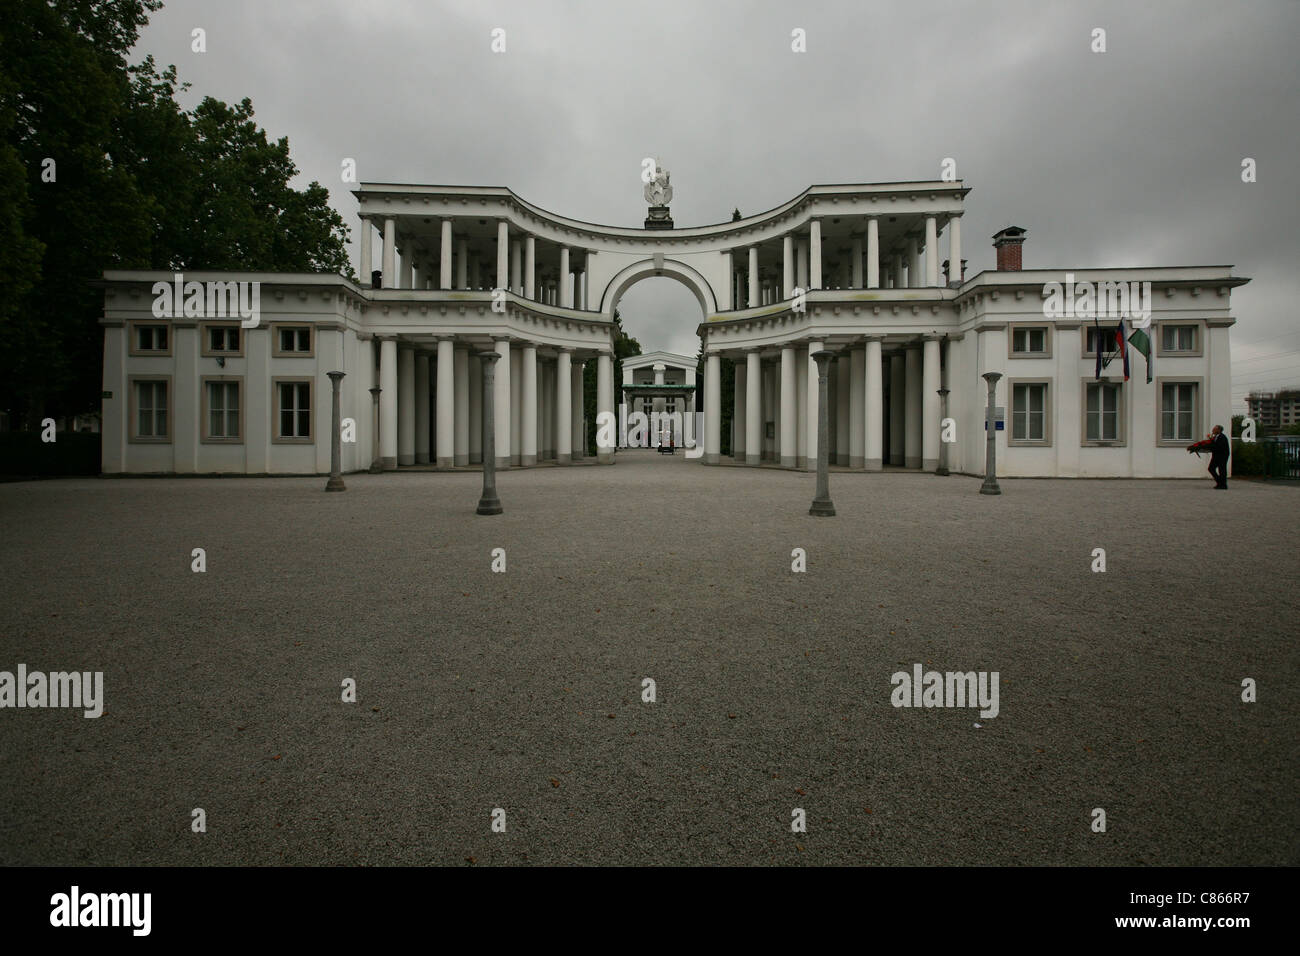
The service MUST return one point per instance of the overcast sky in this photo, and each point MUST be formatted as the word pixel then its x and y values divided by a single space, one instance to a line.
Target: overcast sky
pixel 1130 157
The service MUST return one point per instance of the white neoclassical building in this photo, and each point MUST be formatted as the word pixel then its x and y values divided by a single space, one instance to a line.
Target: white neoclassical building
pixel 873 272
pixel 662 384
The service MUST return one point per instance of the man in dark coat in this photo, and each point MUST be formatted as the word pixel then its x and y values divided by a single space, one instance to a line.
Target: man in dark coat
pixel 1220 449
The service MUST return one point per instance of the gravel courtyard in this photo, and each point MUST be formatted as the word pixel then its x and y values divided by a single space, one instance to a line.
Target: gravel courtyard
pixel 522 690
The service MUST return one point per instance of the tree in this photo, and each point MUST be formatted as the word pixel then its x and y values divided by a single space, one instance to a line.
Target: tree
pixel 101 169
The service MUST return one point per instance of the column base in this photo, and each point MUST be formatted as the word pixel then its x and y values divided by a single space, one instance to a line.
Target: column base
pixel 335 484
pixel 421 458
pixel 527 461
pixel 912 461
pixel 461 461
pixel 503 463
pixel 788 461
pixel 857 464
pixel 476 458
pixel 753 459
pixel 564 459
pixel 711 458
pixel 376 466
pixel 841 459
pixel 929 464
pixel 605 456
pixel 822 508
pixel 489 506
pixel 873 464
pixel 444 462
pixel 803 463
pixel 896 460
pixel 405 459
pixel 516 460
pixel 388 464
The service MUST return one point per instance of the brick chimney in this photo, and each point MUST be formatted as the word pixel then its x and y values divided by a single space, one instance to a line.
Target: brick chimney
pixel 1007 243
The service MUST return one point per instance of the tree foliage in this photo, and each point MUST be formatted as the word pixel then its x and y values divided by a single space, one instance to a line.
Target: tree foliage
pixel 100 168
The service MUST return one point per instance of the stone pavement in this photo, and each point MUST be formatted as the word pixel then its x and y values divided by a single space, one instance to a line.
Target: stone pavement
pixel 522 690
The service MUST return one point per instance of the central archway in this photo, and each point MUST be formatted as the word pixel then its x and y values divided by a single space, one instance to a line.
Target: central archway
pixel 658 265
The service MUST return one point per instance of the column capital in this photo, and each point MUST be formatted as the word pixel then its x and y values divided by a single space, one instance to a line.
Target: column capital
pixel 873 338
pixel 932 337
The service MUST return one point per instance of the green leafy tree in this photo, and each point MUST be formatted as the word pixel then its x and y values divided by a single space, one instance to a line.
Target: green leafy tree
pixel 101 169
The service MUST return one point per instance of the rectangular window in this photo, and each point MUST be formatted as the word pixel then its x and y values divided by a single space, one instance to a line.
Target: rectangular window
pixel 1178 338
pixel 1102 412
pixel 1029 412
pixel 223 339
pixel 1029 341
pixel 1178 411
pixel 151 409
pixel 223 409
pixel 295 409
pixel 1102 335
pixel 151 338
pixel 293 340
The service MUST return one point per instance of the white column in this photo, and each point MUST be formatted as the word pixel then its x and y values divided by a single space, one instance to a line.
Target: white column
pixel 801 245
pixel 530 267
pixel 931 254
pixel 897 277
pixel 811 405
pixel 516 407
pixel 787 264
pixel 476 409
pixel 503 254
pixel 857 406
pixel 874 406
pixel 815 255
pixel 913 263
pixel 873 254
pixel 566 287
pixel 444 256
pixel 408 265
pixel 801 406
pixel 366 243
pixel 516 267
pixel 422 399
pixel 501 403
pixel 897 407
pixel 389 280
pixel 388 403
pixel 930 404
pixel 605 403
pixel 406 406
pixel 915 409
pixel 954 248
pixel 754 409
pixel 712 408
pixel 462 274
pixel 563 408
pixel 753 277
pixel 461 362
pixel 843 373
pixel 739 430
pixel 446 421
pixel 576 408
pixel 786 402
pixel 528 402
pixel 855 279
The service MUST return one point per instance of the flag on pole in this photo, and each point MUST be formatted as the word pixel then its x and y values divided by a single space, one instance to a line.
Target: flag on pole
pixel 1141 341
pixel 1122 346
pixel 1101 347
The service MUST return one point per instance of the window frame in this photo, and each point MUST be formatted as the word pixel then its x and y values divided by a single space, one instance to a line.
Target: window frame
pixel 1121 414
pixel 1199 427
pixel 1198 339
pixel 1014 327
pixel 205 435
pixel 133 410
pixel 133 349
pixel 276 382
pixel 1046 440
pixel 277 352
pixel 206 349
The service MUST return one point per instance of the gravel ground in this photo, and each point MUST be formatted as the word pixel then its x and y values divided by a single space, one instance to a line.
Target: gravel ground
pixel 522 690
